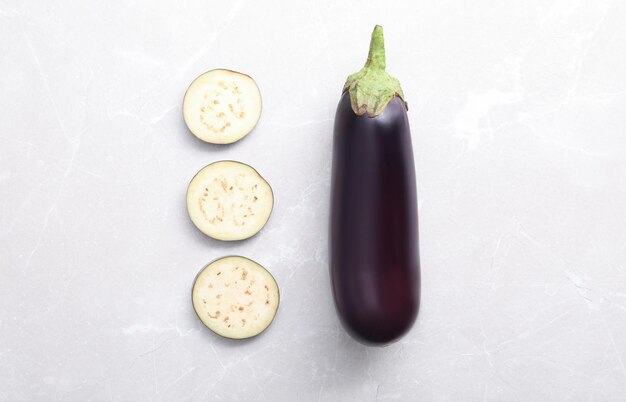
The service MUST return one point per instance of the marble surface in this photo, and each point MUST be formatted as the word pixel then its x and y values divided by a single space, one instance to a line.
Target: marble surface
pixel 518 112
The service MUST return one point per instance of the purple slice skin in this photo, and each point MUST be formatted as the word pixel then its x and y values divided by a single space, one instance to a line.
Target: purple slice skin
pixel 374 249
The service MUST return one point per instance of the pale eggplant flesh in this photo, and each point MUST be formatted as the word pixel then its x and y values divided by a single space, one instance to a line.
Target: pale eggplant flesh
pixel 229 200
pixel 235 297
pixel 222 106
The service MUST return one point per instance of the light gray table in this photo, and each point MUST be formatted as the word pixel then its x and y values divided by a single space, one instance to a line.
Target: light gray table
pixel 518 111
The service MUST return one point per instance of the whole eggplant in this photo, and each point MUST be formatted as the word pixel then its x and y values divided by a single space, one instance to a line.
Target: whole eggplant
pixel 374 251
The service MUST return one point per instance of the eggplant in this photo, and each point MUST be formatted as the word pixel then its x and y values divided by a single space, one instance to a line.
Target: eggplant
pixel 374 250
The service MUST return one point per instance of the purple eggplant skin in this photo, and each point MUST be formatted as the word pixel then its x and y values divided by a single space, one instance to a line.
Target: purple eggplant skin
pixel 374 250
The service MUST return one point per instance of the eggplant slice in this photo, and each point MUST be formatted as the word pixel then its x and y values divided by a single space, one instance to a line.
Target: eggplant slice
pixel 235 297
pixel 222 106
pixel 229 200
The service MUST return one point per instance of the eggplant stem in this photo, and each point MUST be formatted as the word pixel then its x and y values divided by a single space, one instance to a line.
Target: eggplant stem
pixel 371 88
pixel 376 55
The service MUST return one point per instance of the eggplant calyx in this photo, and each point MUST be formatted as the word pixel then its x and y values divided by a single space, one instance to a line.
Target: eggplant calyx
pixel 371 88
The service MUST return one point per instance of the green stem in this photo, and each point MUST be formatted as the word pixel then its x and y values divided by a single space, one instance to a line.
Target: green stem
pixel 371 88
pixel 376 55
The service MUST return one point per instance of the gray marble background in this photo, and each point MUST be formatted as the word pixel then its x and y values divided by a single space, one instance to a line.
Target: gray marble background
pixel 518 111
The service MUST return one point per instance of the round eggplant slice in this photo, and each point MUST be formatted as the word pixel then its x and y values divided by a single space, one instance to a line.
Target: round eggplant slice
pixel 229 200
pixel 235 297
pixel 222 106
